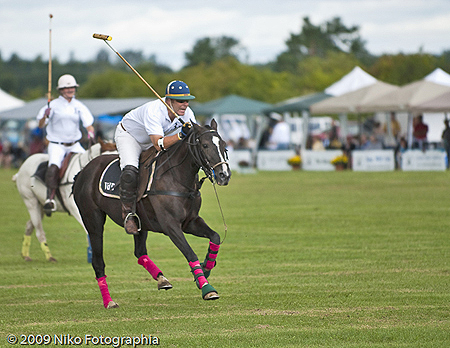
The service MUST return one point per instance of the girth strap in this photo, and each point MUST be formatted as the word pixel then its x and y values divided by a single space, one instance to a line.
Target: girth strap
pixel 191 195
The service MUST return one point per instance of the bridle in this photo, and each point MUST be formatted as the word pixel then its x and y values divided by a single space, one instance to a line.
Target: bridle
pixel 199 155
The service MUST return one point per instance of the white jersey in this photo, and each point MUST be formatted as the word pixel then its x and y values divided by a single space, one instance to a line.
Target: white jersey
pixel 63 123
pixel 153 118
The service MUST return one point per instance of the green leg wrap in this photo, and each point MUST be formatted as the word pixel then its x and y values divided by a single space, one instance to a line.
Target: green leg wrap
pixel 206 273
pixel 26 246
pixel 207 288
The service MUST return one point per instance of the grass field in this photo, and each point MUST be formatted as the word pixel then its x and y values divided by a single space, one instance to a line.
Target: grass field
pixel 311 259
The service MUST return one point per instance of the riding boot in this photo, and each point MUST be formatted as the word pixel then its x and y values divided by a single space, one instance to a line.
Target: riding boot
pixel 52 183
pixel 128 194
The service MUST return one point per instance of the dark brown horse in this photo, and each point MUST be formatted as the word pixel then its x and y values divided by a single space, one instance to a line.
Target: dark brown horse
pixel 170 206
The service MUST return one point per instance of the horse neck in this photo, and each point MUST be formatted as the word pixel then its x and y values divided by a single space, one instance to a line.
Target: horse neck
pixel 182 166
pixel 79 161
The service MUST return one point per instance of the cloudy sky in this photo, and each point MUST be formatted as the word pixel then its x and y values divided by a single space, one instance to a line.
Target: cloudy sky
pixel 168 29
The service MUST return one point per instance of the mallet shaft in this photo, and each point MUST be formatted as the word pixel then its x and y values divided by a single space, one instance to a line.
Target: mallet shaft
pixel 49 91
pixel 109 38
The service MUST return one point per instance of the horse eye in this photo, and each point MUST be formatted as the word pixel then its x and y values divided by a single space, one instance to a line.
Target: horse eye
pixel 205 146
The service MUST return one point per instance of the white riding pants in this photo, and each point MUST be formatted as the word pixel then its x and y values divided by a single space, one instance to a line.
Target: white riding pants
pixel 56 152
pixel 128 147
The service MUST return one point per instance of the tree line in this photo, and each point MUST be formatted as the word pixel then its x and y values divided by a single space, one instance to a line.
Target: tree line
pixel 313 58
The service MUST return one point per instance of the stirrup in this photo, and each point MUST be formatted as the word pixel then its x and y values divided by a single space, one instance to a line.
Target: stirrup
pixel 132 215
pixel 49 206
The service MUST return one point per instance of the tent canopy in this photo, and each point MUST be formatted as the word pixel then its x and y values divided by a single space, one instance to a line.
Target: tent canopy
pixel 406 98
pixel 231 104
pixel 439 104
pixel 298 103
pixel 355 79
pixel 351 102
pixel 438 76
pixel 107 106
pixel 8 102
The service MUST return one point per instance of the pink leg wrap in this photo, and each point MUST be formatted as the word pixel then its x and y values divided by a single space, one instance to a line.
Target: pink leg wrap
pixel 104 290
pixel 212 254
pixel 198 273
pixel 148 264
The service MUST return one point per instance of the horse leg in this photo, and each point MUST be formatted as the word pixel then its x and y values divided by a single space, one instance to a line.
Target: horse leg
pixel 199 228
pixel 36 215
pixel 94 221
pixel 29 228
pixel 140 251
pixel 208 292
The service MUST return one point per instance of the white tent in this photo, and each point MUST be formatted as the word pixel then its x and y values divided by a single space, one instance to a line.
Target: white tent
pixel 355 79
pixel 8 102
pixel 438 76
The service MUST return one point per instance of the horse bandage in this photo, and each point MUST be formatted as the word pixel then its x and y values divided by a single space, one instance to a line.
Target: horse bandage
pixel 150 266
pixel 211 256
pixel 197 271
pixel 161 143
pixel 104 291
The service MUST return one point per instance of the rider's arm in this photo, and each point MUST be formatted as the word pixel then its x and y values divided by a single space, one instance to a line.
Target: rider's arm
pixel 167 141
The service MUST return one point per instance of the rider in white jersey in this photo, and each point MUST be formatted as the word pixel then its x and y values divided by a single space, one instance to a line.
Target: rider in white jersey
pixel 151 124
pixel 62 121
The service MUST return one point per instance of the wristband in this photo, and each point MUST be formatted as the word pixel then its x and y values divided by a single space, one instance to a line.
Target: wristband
pixel 161 143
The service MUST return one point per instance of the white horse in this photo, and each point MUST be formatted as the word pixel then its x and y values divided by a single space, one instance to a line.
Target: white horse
pixel 34 193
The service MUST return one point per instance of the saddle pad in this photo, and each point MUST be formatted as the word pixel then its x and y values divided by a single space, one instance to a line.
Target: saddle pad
pixel 110 179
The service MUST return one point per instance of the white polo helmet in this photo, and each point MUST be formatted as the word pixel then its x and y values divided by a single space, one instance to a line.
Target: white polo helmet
pixel 66 81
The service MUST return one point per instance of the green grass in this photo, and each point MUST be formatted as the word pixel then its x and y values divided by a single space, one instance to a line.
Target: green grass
pixel 311 259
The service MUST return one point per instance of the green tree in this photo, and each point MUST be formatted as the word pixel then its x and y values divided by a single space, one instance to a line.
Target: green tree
pixel 208 50
pixel 317 41
pixel 401 69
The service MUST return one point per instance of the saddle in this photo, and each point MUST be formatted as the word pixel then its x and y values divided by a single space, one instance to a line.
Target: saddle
pixel 110 178
pixel 41 170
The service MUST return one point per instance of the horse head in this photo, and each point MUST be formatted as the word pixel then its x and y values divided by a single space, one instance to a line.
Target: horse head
pixel 210 152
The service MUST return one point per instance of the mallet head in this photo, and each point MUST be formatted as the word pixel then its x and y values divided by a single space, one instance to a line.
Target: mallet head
pixel 102 37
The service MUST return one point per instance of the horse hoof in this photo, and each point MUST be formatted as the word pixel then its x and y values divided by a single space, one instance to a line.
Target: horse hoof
pixel 112 304
pixel 27 258
pixel 52 259
pixel 163 283
pixel 209 293
pixel 211 296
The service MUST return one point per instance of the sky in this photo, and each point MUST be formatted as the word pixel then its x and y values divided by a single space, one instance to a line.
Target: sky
pixel 168 29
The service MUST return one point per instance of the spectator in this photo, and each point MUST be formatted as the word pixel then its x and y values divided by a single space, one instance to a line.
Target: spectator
pixel 281 134
pixel 317 144
pixel 37 144
pixel 6 156
pixel 401 148
pixel 420 131
pixel 395 127
pixel 446 140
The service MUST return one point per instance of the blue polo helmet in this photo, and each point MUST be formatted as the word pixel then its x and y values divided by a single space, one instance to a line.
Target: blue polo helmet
pixel 178 90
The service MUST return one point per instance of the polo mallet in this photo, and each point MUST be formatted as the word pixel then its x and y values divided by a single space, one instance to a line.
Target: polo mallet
pixel 107 38
pixel 49 92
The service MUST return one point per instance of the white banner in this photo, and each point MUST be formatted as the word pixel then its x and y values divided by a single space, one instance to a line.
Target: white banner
pixel 373 160
pixel 319 160
pixel 239 156
pixel 430 160
pixel 274 160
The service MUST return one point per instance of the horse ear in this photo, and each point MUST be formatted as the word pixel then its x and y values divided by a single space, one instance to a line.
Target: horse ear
pixel 196 127
pixel 214 124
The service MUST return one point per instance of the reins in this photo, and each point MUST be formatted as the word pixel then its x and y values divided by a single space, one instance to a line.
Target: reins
pixel 199 157
pixel 201 161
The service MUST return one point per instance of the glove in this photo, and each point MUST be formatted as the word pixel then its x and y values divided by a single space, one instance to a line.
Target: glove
pixel 47 112
pixel 186 129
